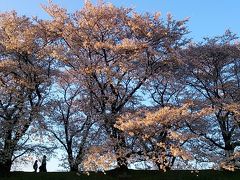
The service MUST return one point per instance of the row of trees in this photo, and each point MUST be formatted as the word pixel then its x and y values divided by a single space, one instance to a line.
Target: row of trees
pixel 112 87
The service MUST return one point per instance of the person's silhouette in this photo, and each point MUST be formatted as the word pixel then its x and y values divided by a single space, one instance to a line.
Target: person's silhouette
pixel 35 166
pixel 43 167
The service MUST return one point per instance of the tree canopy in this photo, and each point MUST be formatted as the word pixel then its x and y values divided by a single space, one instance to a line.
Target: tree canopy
pixel 112 88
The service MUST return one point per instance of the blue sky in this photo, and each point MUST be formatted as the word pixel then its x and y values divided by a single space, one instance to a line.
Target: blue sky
pixel 207 17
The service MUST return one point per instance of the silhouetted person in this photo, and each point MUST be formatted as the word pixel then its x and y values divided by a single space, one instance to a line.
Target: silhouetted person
pixel 43 168
pixel 35 166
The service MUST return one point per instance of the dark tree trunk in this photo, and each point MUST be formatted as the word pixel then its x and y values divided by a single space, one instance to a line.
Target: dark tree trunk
pixel 6 156
pixel 72 163
pixel 120 143
pixel 122 163
pixel 227 134
pixel 5 167
pixel 229 149
pixel 74 168
pixel 163 166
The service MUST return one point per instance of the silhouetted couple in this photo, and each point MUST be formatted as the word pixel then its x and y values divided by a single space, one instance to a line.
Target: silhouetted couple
pixel 42 168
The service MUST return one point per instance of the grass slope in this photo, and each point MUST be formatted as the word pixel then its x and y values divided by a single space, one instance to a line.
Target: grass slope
pixel 130 174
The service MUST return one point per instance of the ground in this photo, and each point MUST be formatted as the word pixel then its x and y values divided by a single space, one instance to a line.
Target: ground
pixel 130 174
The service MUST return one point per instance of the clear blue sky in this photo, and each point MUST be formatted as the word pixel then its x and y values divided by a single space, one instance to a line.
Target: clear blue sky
pixel 207 17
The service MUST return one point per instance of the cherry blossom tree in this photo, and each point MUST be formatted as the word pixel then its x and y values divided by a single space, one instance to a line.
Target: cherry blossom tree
pixel 101 60
pixel 158 134
pixel 211 72
pixel 69 118
pixel 166 90
pixel 115 50
pixel 25 69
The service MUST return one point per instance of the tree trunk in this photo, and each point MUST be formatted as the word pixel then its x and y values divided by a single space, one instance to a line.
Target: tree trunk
pixel 6 157
pixel 119 148
pixel 122 163
pixel 229 151
pixel 162 166
pixel 72 163
pixel 5 167
pixel 74 168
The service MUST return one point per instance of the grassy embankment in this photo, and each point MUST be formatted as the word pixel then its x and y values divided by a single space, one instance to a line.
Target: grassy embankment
pixel 130 174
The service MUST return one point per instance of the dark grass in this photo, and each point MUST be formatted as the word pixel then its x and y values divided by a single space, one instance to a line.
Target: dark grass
pixel 130 174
